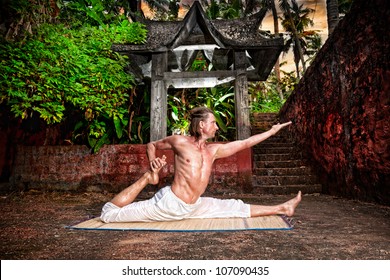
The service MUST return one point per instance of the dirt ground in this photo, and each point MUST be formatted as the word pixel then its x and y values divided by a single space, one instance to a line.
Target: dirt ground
pixel 33 227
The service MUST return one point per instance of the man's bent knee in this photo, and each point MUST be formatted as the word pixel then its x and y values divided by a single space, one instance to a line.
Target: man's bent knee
pixel 109 212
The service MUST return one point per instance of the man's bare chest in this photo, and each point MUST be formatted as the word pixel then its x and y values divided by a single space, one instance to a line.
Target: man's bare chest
pixel 195 157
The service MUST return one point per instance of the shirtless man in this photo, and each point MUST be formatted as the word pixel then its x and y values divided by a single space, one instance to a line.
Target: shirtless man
pixel 194 158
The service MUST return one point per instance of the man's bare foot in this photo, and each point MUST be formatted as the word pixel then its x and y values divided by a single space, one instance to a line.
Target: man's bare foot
pixel 153 174
pixel 289 206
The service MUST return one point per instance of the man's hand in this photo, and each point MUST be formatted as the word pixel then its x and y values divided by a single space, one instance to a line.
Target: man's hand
pixel 275 128
pixel 157 163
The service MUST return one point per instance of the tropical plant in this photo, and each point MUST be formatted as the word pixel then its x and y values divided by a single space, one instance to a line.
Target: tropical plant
pixel 168 12
pixel 161 9
pixel 213 9
pixel 220 99
pixel 332 13
pixel 158 4
pixel 296 19
pixel 226 9
pixel 92 12
pixel 22 16
pixel 344 6
pixel 231 9
pixel 251 5
pixel 336 9
pixel 265 97
pixel 61 72
pixel 314 44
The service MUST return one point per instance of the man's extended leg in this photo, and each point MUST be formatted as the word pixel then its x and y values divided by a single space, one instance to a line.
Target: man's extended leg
pixel 129 194
pixel 286 208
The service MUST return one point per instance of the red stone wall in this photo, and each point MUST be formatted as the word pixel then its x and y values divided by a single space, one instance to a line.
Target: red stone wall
pixel 113 168
pixel 340 109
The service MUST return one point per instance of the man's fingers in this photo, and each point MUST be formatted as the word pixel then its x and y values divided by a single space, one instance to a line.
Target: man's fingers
pixel 161 162
pixel 279 126
pixel 284 124
pixel 152 166
pixel 157 163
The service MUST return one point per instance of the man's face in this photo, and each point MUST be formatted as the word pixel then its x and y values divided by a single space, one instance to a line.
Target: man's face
pixel 210 126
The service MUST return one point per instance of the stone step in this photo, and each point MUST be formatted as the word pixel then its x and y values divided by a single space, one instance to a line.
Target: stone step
pixel 284 180
pixel 279 166
pixel 297 163
pixel 275 157
pixel 273 149
pixel 290 189
pixel 264 116
pixel 261 127
pixel 265 145
pixel 294 171
pixel 275 139
pixel 259 130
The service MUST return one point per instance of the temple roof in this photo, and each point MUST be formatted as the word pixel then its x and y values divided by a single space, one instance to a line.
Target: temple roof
pixel 196 28
pixel 217 39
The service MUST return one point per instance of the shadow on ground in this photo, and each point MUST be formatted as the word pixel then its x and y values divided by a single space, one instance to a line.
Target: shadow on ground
pixel 33 227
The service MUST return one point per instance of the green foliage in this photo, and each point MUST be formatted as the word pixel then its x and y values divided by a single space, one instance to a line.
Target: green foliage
pixel 62 70
pixel 167 10
pixel 344 6
pixel 296 18
pixel 264 95
pixel 231 9
pixel 87 11
pixel 139 119
pixel 223 9
pixel 213 10
pixel 68 72
pixel 220 99
pixel 314 44
pixel 92 12
pixel 300 16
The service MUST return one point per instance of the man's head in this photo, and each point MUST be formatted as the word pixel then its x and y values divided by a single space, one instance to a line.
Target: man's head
pixel 202 120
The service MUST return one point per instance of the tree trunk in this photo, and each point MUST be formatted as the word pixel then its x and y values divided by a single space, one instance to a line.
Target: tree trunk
pixel 296 38
pixel 276 31
pixel 332 12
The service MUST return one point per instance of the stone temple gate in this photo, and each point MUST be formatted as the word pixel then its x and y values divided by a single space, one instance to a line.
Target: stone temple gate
pixel 237 49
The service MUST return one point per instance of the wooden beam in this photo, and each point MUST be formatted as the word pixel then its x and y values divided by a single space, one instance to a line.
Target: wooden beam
pixel 198 79
pixel 199 74
pixel 243 128
pixel 158 106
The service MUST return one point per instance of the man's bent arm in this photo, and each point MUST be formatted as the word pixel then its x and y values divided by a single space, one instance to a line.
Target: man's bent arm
pixel 151 151
pixel 152 147
pixel 231 148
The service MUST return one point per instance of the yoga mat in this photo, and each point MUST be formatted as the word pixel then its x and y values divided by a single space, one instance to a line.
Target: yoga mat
pixel 225 224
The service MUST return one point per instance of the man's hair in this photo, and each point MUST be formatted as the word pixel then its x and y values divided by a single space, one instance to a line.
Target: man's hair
pixel 197 115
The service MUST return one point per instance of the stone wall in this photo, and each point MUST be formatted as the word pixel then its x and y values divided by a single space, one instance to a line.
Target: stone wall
pixel 4 163
pixel 74 168
pixel 340 108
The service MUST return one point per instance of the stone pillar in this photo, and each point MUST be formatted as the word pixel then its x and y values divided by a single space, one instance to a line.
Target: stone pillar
pixel 158 106
pixel 243 127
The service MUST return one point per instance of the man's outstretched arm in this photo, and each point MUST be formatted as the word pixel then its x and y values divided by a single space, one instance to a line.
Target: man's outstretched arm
pixel 231 148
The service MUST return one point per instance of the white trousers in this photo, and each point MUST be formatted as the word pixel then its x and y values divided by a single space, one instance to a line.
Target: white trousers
pixel 166 206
